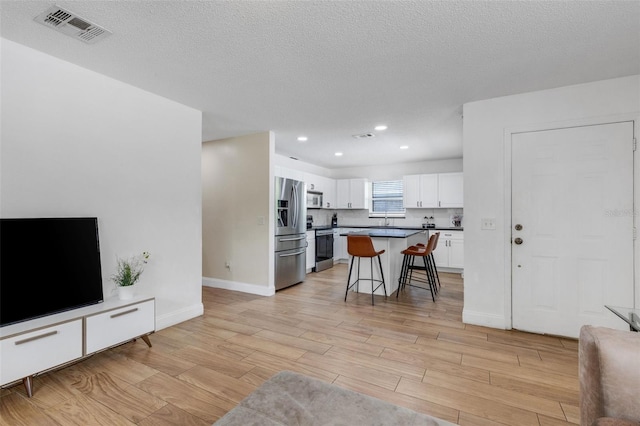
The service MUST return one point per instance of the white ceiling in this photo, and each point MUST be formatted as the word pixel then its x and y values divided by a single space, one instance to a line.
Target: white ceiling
pixel 332 69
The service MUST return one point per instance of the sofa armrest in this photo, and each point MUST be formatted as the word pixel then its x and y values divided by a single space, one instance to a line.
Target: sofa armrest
pixel 609 373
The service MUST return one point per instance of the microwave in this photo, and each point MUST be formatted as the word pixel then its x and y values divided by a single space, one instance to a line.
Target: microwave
pixel 314 200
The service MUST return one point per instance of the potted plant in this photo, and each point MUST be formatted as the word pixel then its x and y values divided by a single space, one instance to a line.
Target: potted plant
pixel 128 272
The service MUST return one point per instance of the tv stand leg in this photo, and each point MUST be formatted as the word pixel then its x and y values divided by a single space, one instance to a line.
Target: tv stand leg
pixel 28 385
pixel 146 340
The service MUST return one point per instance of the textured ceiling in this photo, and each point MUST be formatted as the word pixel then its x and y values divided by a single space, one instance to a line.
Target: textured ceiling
pixel 332 69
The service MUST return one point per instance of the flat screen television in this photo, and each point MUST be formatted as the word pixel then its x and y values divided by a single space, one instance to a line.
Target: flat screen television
pixel 48 265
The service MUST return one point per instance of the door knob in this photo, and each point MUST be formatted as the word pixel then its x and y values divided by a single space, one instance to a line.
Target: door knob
pixel 518 241
pixel 518 227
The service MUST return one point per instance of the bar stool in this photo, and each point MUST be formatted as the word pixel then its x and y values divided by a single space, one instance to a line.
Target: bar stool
pixel 432 258
pixel 359 246
pixel 409 266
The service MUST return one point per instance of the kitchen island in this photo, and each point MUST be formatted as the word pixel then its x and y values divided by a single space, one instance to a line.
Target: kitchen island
pixel 393 242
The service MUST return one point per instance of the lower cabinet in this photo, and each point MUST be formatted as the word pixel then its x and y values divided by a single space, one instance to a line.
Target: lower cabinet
pixel 39 350
pixel 450 250
pixel 34 346
pixel 106 329
pixel 311 251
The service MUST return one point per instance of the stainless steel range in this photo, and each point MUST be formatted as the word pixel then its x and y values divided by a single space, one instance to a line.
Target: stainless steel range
pixel 290 238
pixel 324 249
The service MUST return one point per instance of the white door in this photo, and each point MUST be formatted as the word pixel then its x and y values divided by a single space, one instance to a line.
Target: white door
pixel 572 195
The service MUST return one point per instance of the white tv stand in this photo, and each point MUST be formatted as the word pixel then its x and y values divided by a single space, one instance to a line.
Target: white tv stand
pixel 31 347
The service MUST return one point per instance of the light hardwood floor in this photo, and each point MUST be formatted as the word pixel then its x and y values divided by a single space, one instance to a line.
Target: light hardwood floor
pixel 410 351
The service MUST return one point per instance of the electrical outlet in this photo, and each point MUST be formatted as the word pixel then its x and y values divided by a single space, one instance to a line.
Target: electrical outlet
pixel 488 223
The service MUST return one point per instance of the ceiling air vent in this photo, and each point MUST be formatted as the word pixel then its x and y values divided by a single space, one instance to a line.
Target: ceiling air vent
pixel 72 25
pixel 364 136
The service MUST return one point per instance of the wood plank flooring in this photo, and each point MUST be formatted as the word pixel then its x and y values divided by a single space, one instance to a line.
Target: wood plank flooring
pixel 409 351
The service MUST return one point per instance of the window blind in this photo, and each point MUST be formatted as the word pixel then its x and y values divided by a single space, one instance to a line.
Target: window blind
pixel 386 197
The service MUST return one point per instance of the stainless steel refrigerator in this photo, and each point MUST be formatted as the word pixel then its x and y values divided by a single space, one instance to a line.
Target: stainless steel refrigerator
pixel 291 227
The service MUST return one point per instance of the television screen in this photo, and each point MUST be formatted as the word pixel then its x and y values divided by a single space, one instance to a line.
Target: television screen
pixel 48 265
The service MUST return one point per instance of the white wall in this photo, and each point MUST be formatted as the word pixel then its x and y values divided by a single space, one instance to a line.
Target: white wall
pixel 238 213
pixel 396 171
pixel 487 128
pixel 77 143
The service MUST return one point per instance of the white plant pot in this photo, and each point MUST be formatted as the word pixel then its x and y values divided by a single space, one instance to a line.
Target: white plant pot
pixel 125 293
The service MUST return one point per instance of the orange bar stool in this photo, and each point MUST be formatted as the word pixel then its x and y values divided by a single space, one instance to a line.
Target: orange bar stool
pixel 359 246
pixel 409 266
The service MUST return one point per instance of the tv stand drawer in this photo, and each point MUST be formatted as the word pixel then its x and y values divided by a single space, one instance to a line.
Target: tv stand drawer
pixel 27 353
pixel 115 326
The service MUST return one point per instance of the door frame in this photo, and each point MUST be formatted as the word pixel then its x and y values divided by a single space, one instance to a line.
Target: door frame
pixel 508 223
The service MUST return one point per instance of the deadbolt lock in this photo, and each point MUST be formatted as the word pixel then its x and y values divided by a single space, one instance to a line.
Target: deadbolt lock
pixel 518 227
pixel 518 241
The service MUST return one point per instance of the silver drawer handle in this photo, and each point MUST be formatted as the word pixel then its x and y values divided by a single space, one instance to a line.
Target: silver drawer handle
pixel 292 239
pixel 31 339
pixel 291 254
pixel 119 314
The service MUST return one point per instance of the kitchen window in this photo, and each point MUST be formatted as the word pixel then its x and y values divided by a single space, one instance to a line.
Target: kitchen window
pixel 386 199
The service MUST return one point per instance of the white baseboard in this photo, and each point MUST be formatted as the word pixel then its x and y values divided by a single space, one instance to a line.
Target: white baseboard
pixel 484 319
pixel 238 286
pixel 178 316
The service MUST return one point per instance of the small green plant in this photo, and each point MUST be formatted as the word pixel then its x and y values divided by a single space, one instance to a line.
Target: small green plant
pixel 129 270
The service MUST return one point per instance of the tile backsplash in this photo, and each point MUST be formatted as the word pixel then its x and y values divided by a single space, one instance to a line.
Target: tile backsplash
pixel 413 217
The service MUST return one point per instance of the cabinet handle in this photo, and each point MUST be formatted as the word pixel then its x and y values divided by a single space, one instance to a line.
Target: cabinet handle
pixel 31 339
pixel 119 314
pixel 417 203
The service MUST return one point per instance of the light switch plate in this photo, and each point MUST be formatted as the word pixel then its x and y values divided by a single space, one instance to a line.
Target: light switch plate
pixel 488 223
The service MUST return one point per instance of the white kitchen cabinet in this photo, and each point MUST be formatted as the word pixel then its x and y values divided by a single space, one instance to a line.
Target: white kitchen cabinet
pixel 450 250
pixel 352 194
pixel 420 191
pixel 433 190
pixel 329 194
pixel 311 251
pixel 338 245
pixel 325 185
pixel 450 190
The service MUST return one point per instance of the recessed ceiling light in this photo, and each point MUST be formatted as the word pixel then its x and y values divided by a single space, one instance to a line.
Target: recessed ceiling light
pixel 302 138
pixel 338 154
pixel 380 127
pixel 404 147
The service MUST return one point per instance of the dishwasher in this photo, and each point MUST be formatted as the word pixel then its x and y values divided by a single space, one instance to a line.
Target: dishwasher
pixel 324 249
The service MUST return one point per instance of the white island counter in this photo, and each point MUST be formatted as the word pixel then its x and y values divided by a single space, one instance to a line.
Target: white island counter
pixel 393 242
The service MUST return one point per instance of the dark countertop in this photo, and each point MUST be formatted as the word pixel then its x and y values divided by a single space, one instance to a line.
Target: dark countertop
pixel 386 233
pixel 438 228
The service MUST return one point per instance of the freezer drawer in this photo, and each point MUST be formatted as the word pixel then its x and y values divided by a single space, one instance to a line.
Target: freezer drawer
pixel 290 267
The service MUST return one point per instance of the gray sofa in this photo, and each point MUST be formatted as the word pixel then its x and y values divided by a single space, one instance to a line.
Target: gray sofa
pixel 609 371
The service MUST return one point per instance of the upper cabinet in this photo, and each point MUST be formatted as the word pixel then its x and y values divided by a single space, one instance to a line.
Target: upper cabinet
pixel 325 185
pixel 420 191
pixel 450 191
pixel 352 194
pixel 433 190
